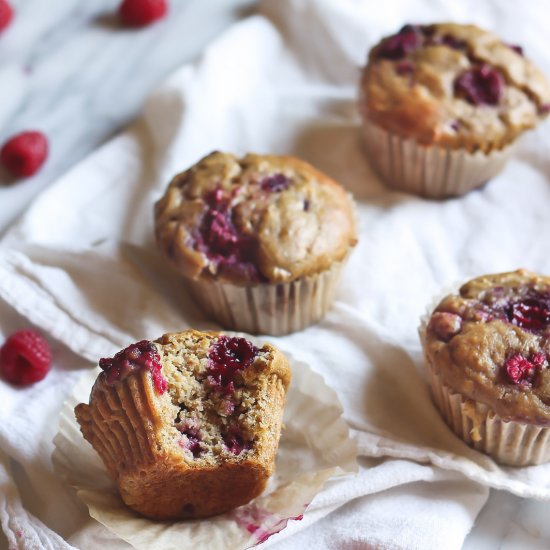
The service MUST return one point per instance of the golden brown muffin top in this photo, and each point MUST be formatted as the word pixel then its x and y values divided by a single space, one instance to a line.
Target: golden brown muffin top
pixel 491 343
pixel 453 85
pixel 258 219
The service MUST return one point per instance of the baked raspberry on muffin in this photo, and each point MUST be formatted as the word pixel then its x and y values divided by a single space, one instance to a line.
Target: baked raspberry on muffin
pixel 188 426
pixel 260 240
pixel 443 104
pixel 488 357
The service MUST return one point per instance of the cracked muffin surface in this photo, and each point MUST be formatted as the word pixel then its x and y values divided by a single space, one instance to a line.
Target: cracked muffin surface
pixel 453 85
pixel 259 219
pixel 491 343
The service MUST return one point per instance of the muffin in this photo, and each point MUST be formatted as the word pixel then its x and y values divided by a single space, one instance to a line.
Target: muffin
pixel 487 350
pixel 188 426
pixel 260 241
pixel 443 106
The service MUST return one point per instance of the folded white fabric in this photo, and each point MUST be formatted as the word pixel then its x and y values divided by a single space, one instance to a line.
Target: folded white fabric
pixel 82 265
pixel 418 514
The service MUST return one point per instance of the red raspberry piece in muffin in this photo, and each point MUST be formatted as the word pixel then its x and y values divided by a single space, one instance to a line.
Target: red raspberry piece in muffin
pixel 481 85
pixel 226 357
pixel 397 46
pixel 521 370
pixel 531 312
pixel 137 356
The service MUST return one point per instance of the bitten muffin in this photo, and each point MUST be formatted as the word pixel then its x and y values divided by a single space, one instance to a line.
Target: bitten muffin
pixel 487 351
pixel 188 426
pixel 442 105
pixel 260 240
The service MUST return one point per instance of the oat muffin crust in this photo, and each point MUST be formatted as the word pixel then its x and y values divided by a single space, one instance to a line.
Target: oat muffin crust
pixel 491 343
pixel 453 85
pixel 257 219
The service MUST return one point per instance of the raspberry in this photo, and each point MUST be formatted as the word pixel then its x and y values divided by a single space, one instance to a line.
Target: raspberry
pixel 538 359
pixel 217 200
pixel 227 356
pixel 24 153
pixel 6 14
pixel 140 13
pixel 481 85
pixel 137 356
pixel 275 183
pixel 445 325
pixel 25 358
pixel 235 442
pixel 232 353
pixel 192 440
pixel 520 370
pixel 408 39
pixel 218 238
pixel 518 49
pixel 531 313
pixel 219 232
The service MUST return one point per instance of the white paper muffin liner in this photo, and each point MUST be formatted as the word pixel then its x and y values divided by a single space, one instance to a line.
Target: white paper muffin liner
pixel 315 445
pixel 430 171
pixel 508 442
pixel 274 309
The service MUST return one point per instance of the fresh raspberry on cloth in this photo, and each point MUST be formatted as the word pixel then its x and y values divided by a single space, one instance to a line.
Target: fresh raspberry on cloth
pixel 25 153
pixel 25 358
pixel 140 13
pixel 6 14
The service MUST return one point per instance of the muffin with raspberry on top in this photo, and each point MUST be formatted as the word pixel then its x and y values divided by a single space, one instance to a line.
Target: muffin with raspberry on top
pixel 443 105
pixel 260 240
pixel 488 357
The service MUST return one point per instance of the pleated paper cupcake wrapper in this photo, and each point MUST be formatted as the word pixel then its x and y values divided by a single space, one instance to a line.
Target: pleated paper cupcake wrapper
pixel 507 442
pixel 274 309
pixel 127 440
pixel 430 171
pixel 314 446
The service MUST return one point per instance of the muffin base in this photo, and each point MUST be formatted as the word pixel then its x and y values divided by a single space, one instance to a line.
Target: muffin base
pixel 274 309
pixel 508 442
pixel 430 171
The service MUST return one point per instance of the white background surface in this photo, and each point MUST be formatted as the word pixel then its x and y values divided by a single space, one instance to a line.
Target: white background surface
pixel 44 85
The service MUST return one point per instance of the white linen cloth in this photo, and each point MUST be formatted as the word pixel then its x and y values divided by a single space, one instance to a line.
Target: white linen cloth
pixel 82 266
pixel 315 446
